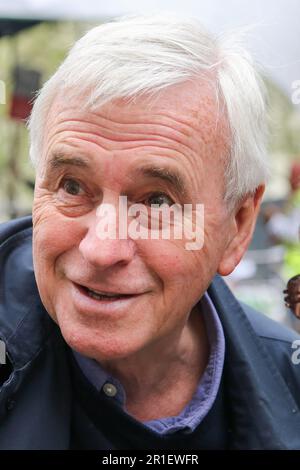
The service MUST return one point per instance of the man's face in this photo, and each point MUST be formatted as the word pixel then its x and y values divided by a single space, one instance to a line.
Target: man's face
pixel 111 150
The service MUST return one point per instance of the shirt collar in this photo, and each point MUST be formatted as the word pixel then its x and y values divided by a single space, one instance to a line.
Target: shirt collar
pixel 205 393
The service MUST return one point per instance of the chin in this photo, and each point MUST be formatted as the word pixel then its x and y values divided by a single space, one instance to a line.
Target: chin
pixel 100 345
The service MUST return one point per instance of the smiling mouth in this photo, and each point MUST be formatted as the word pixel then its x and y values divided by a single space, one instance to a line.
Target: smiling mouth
pixel 101 295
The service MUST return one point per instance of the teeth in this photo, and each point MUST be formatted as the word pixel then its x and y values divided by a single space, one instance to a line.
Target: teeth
pixel 102 296
pixel 103 293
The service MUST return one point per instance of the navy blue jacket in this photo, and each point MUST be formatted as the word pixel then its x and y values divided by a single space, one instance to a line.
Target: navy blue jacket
pixel 261 381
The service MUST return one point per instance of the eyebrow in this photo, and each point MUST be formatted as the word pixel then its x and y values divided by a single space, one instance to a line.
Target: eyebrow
pixel 168 175
pixel 58 160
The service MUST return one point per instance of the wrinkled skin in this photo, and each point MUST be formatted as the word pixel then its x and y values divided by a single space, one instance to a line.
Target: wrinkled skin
pixel 160 340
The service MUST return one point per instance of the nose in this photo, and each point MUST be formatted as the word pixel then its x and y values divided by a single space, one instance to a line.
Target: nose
pixel 108 252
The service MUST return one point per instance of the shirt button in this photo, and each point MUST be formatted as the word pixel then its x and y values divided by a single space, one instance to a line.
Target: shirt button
pixel 10 403
pixel 110 390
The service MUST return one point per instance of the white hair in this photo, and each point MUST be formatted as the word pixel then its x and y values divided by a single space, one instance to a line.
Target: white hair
pixel 142 55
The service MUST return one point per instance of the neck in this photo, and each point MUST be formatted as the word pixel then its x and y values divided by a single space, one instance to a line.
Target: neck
pixel 159 382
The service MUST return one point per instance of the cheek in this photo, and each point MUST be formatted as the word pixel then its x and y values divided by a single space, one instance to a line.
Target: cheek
pixel 178 269
pixel 215 231
pixel 50 240
pixel 53 235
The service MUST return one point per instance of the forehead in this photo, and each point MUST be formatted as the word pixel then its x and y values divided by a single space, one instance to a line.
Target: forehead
pixel 183 122
pixel 194 106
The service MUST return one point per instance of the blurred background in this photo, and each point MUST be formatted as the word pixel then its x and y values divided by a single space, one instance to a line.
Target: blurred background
pixel 35 36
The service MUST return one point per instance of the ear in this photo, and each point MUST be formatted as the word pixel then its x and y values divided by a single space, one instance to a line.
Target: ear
pixel 243 219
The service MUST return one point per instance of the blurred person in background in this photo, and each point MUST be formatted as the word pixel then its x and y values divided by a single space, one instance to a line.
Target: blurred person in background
pixel 133 343
pixel 292 297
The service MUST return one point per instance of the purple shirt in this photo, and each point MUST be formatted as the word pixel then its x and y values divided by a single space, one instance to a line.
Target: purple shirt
pixel 205 394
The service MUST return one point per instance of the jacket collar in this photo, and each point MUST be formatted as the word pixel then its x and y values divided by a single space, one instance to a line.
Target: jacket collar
pixel 25 325
pixel 263 411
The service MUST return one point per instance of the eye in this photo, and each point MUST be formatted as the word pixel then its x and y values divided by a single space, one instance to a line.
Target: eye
pixel 72 187
pixel 73 198
pixel 159 199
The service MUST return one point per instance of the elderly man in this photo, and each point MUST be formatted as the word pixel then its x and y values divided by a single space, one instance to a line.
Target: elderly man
pixel 134 341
